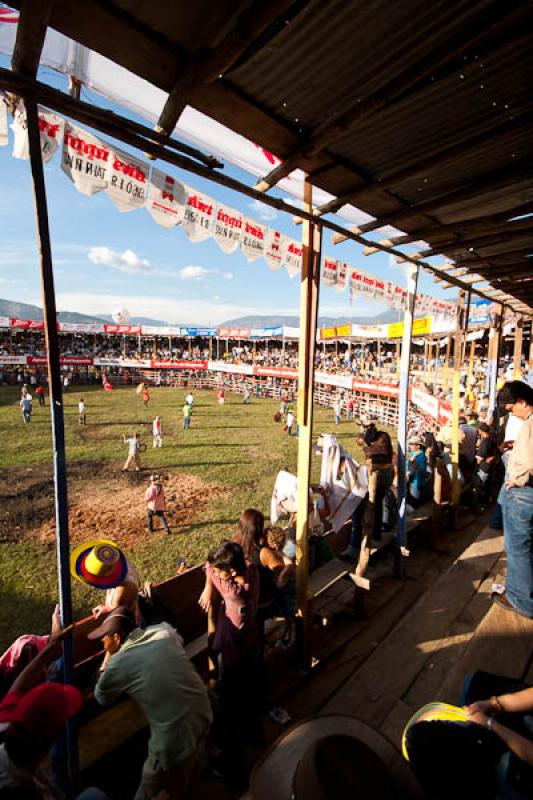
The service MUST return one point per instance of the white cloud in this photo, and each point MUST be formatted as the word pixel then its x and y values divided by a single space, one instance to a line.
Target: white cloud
pixel 228 276
pixel 191 273
pixel 261 210
pixel 128 261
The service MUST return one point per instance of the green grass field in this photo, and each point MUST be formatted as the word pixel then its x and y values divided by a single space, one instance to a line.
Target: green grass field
pixel 237 447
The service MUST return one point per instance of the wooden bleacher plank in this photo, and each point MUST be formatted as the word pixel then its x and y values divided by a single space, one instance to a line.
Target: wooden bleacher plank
pixel 108 729
pixel 502 644
pixel 326 575
pixel 384 677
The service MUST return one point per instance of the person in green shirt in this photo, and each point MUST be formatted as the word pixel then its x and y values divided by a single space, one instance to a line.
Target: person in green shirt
pixel 151 666
pixel 187 413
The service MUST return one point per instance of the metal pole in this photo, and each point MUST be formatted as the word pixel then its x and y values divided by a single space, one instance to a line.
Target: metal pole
pixel 412 281
pixel 56 411
pixel 310 279
pixel 495 334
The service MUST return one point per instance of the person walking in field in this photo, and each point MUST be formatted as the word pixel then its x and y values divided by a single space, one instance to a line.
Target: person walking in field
pixel 157 433
pixel 156 503
pixel 187 413
pixel 190 399
pixel 246 396
pixel 40 392
pixel 337 408
pixel 290 421
pixel 134 449
pixel 146 397
pixel 81 412
pixel 26 407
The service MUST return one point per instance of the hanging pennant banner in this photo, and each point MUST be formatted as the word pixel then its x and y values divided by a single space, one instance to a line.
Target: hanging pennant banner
pixel 229 225
pixel 3 123
pixel 86 160
pixel 128 182
pixel 379 290
pixel 166 200
pixel 291 256
pixel 50 129
pixel 368 286
pixel 253 239
pixel 389 293
pixel 342 272
pixel 273 244
pixel 199 217
pixel 329 272
pixel 356 283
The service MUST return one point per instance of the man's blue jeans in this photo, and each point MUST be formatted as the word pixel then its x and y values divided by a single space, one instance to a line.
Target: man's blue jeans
pixel 517 509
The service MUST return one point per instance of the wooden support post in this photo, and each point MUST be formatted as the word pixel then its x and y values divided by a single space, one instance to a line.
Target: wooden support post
pixel 218 348
pixel 517 354
pixel 210 348
pixel 530 359
pixel 58 424
pixel 447 361
pixel 471 359
pixel 457 353
pixel 401 532
pixel 495 335
pixel 379 358
pixel 310 278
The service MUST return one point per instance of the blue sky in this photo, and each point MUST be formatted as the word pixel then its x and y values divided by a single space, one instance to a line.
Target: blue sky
pixel 152 271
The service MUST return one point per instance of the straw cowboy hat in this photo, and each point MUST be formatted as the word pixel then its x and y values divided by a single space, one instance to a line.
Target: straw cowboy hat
pixel 333 756
pixel 100 564
pixel 419 442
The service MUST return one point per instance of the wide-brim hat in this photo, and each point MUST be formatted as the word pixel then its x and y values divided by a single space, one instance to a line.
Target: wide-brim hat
pixel 419 442
pixel 100 564
pixel 274 774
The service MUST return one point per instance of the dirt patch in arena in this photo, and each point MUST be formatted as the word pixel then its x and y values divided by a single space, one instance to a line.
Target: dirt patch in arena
pixel 103 503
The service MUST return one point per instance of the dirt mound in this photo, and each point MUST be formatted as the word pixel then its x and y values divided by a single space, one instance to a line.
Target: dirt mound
pixel 103 503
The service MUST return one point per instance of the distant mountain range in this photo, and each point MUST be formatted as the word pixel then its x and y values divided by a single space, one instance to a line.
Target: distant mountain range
pixel 9 308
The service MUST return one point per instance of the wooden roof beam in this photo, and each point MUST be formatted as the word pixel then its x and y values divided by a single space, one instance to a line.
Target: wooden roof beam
pixel 31 31
pixel 475 27
pixel 519 231
pixel 477 226
pixel 206 67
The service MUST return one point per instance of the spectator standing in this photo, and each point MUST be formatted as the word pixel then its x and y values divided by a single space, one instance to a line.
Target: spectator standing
pixel 235 640
pixel 146 397
pixel 337 408
pixel 66 382
pixel 516 499
pixel 151 666
pixel 81 412
pixel 157 433
pixel 379 456
pixel 190 399
pixel 156 503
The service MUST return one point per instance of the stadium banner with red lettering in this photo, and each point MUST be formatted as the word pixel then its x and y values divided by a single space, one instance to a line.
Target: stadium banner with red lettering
pixel 234 333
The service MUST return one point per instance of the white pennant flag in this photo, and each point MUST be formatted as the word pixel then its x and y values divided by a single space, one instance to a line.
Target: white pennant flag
pixel 329 272
pixel 3 123
pixel 253 239
pixel 368 286
pixel 291 256
pixel 128 181
pixel 86 160
pixel 342 272
pixel 167 199
pixel 273 245
pixel 389 293
pixel 356 283
pixel 50 130
pixel 199 218
pixel 229 225
pixel 379 290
